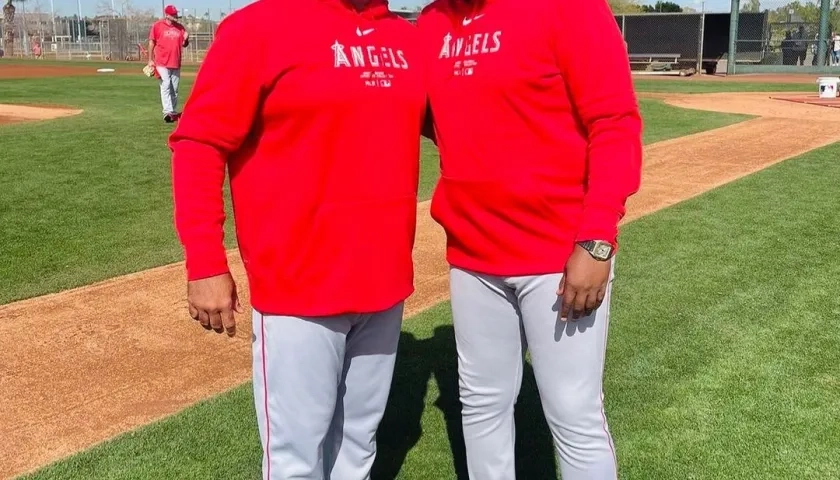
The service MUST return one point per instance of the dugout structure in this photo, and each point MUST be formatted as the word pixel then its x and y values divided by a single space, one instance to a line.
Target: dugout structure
pixel 692 40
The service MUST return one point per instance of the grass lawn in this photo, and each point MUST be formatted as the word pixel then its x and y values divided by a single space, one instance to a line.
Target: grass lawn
pixel 88 197
pixel 722 358
pixel 118 66
pixel 675 85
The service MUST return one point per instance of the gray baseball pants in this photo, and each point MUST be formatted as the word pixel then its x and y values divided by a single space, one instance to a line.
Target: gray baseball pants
pixel 320 390
pixel 170 80
pixel 496 320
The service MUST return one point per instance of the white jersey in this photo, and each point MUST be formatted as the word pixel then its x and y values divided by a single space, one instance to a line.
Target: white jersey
pixel 836 43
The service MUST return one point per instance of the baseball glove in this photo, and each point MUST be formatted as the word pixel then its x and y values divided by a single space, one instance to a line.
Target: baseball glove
pixel 149 71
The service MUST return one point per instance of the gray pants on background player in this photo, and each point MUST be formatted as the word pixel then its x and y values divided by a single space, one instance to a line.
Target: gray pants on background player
pixel 320 389
pixel 496 319
pixel 170 80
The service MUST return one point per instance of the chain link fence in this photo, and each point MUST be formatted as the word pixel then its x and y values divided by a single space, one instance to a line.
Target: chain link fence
pixel 110 37
pixel 772 35
pixel 776 36
pixel 99 38
pixel 662 42
pixel 786 36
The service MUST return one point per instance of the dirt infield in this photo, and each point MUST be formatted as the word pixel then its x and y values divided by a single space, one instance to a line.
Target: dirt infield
pixel 800 78
pixel 810 100
pixel 32 69
pixel 40 71
pixel 90 363
pixel 22 113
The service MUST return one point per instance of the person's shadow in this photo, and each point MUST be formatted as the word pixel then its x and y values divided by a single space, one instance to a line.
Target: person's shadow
pixel 401 428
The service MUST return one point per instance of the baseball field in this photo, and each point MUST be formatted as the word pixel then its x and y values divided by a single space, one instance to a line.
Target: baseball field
pixel 724 351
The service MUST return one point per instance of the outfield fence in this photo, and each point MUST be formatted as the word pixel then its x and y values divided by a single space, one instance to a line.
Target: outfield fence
pixel 101 38
pixel 792 36
pixel 108 37
pixel 770 36
pixel 774 36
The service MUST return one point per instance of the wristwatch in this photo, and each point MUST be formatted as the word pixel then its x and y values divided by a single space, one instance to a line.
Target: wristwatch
pixel 599 249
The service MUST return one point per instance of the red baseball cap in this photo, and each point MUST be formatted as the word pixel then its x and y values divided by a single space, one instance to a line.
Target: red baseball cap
pixel 171 11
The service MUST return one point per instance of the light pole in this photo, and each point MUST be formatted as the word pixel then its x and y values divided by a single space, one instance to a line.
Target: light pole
pixel 702 36
pixel 825 13
pixel 25 31
pixel 734 8
pixel 79 2
pixel 52 14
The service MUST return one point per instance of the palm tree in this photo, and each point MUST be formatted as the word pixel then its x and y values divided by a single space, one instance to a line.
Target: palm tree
pixel 9 28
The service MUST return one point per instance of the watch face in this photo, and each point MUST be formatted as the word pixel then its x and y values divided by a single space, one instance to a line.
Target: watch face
pixel 602 251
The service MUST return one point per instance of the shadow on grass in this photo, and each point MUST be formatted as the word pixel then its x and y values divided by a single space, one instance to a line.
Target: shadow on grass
pixel 400 430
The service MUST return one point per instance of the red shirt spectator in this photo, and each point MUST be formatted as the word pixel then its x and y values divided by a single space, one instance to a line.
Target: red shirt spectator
pixel 169 37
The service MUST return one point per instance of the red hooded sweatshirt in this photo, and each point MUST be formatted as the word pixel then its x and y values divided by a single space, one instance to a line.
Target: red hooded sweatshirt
pixel 317 123
pixel 538 129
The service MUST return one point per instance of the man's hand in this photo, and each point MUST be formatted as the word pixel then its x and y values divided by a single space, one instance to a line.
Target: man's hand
pixel 213 301
pixel 584 284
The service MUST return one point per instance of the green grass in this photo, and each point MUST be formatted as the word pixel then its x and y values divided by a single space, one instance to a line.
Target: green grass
pixel 663 122
pixel 675 85
pixel 722 359
pixel 88 197
pixel 118 66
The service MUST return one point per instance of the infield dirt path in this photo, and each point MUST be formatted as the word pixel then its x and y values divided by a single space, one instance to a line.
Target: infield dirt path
pixel 23 113
pixel 87 364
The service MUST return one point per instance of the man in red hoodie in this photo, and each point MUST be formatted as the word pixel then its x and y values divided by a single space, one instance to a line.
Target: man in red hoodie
pixel 321 143
pixel 540 142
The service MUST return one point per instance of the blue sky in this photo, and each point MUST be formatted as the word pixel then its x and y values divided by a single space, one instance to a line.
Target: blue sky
pixel 69 7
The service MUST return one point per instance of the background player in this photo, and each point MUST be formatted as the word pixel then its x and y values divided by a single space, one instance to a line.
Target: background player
pixel 166 39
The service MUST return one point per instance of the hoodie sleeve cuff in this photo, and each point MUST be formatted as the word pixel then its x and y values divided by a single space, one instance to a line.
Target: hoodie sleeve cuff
pixel 205 263
pixel 599 223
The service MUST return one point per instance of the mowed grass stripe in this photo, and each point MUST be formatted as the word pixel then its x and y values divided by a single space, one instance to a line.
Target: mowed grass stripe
pixel 89 197
pixel 722 358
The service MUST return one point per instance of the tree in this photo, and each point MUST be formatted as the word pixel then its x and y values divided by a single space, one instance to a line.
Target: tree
pixel 662 7
pixel 751 6
pixel 38 10
pixel 137 20
pixel 104 9
pixel 796 11
pixel 625 6
pixel 9 28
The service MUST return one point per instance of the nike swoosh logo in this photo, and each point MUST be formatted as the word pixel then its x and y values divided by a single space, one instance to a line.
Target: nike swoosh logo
pixel 362 33
pixel 468 21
